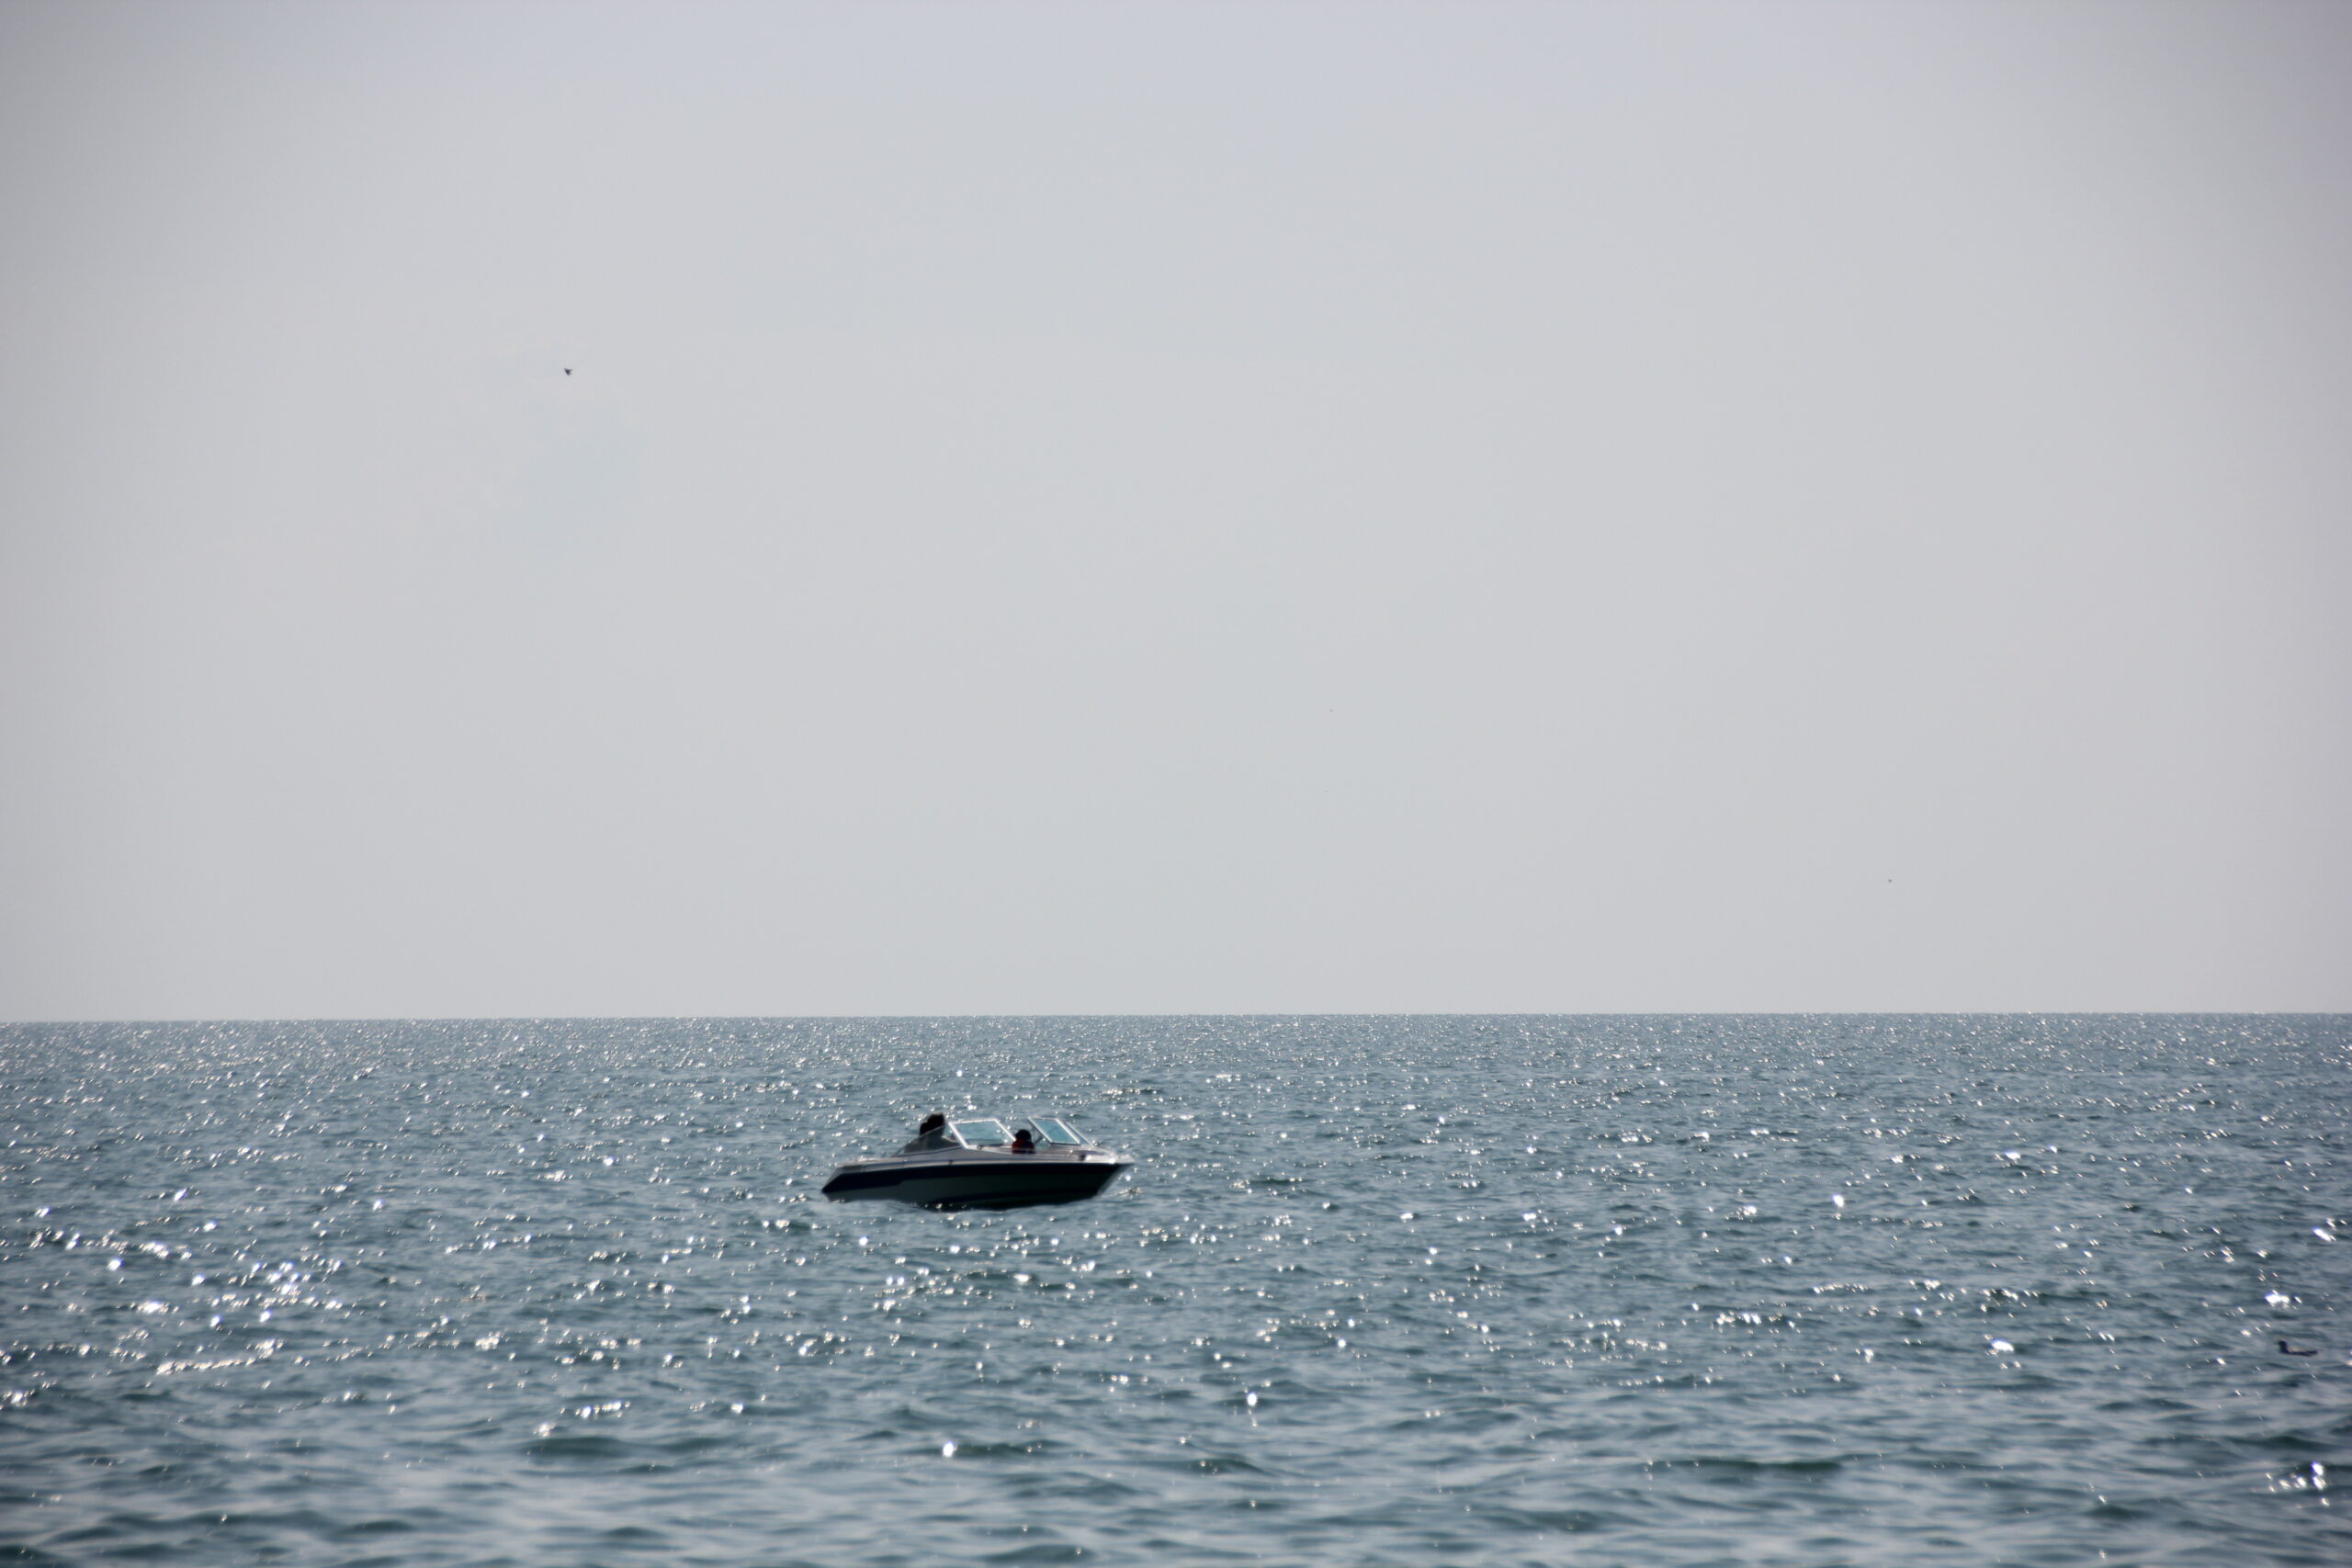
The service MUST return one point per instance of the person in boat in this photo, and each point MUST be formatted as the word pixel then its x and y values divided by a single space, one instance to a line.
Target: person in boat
pixel 1025 1142
pixel 929 1134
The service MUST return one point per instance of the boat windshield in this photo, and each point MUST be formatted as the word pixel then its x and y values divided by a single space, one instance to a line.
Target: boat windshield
pixel 982 1135
pixel 1054 1130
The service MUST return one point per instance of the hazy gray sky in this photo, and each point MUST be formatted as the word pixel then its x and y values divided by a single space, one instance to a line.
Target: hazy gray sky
pixel 1173 507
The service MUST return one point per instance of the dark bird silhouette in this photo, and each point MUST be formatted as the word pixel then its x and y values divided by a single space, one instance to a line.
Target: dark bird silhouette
pixel 567 369
pixel 2287 1349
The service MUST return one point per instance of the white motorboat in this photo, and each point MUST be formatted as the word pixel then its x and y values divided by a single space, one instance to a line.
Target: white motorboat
pixel 977 1163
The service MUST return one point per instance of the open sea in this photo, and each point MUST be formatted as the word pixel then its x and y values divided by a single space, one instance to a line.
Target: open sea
pixel 1431 1292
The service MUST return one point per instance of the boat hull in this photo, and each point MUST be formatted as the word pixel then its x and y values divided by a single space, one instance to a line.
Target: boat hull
pixel 975 1179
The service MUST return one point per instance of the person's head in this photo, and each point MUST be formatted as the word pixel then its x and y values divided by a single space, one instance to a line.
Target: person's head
pixel 933 1123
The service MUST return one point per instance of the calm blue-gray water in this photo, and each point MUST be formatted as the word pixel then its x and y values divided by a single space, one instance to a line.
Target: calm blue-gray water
pixel 1413 1291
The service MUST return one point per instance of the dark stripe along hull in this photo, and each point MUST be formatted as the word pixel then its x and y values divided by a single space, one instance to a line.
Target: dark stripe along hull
pixel 1002 1181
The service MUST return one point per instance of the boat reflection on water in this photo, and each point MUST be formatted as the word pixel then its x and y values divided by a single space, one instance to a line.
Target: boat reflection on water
pixel 977 1163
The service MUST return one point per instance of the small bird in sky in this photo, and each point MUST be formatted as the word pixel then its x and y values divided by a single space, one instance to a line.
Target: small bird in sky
pixel 2287 1349
pixel 567 369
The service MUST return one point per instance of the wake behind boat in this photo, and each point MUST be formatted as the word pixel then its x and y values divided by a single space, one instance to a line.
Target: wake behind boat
pixel 978 1164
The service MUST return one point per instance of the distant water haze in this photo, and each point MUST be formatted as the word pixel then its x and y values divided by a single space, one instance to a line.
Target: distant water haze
pixel 1173 508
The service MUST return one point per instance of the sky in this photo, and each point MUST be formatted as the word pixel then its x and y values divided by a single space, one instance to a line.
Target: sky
pixel 541 510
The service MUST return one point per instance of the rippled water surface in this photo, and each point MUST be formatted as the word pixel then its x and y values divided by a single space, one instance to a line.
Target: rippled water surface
pixel 1801 1290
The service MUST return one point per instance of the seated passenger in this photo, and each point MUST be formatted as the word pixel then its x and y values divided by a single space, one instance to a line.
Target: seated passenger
pixel 932 1133
pixel 1024 1143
